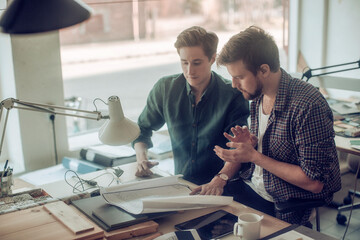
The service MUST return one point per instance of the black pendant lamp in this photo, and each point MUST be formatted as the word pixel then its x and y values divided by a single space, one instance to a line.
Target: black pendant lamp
pixel 36 16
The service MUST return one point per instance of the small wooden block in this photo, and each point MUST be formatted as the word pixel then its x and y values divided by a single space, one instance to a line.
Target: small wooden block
pixel 38 223
pixel 68 217
pixel 132 231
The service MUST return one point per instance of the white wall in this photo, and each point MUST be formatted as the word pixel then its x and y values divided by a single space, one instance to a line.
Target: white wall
pixel 344 34
pixel 328 34
pixel 31 71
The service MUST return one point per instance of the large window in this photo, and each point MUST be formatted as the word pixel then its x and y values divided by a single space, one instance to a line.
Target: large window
pixel 126 46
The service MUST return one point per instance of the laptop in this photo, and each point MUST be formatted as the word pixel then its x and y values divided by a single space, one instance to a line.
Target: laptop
pixel 110 217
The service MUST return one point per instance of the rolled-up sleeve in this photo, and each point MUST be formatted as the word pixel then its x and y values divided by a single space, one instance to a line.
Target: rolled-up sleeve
pixel 315 141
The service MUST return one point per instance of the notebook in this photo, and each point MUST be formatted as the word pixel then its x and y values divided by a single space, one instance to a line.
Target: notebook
pixel 110 217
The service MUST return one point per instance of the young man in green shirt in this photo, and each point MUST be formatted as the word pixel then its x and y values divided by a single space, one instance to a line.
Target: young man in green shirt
pixel 197 105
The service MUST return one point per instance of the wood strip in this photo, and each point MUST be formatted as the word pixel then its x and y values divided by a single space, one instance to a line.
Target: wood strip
pixel 38 224
pixel 24 219
pixel 54 230
pixel 68 217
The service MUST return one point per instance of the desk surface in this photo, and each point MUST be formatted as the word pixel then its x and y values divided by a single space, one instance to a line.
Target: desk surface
pixel 343 145
pixel 62 190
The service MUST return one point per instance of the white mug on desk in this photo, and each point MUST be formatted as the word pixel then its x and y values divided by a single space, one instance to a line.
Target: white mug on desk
pixel 248 226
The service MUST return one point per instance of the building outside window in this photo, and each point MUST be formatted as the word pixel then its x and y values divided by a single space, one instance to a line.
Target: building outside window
pixel 126 46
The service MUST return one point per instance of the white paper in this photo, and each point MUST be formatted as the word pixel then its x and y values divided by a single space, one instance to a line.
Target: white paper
pixel 357 147
pixel 345 108
pixel 161 144
pixel 114 151
pixel 46 175
pixel 159 195
pixel 292 235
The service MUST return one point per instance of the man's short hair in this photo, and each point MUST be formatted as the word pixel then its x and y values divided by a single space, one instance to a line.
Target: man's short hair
pixel 198 36
pixel 254 47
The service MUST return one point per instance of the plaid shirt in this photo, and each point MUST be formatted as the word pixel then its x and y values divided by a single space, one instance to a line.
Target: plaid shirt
pixel 299 131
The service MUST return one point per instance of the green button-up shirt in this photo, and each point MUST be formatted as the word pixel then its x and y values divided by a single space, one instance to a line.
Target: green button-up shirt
pixel 194 129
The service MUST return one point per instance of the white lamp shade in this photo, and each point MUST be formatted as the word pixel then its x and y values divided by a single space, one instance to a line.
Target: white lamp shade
pixel 118 130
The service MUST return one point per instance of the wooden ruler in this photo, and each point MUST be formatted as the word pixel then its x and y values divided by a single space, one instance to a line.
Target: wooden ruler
pixel 68 217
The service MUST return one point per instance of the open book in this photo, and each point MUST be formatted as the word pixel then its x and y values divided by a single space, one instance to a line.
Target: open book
pixel 158 195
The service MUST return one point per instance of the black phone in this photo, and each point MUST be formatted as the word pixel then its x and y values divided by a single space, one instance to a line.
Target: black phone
pixel 210 226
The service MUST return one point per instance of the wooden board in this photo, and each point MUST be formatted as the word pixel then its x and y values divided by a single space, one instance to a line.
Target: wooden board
pixel 38 224
pixel 68 217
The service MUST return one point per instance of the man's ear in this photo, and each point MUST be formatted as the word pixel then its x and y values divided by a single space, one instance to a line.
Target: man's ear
pixel 265 69
pixel 213 58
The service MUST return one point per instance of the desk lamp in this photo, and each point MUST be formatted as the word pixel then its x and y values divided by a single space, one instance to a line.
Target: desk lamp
pixel 117 130
pixel 35 16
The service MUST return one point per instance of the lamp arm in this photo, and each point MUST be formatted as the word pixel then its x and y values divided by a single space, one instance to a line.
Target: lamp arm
pixel 117 130
pixel 10 103
pixel 338 65
pixel 308 74
pixel 342 70
pixel 3 132
pixel 97 117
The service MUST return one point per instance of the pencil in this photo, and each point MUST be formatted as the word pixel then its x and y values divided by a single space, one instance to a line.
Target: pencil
pixel 2 175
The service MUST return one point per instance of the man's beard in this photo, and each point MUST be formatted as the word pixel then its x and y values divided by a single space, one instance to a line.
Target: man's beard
pixel 252 96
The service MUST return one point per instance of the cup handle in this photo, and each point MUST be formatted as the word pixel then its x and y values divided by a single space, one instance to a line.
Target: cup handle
pixel 238 231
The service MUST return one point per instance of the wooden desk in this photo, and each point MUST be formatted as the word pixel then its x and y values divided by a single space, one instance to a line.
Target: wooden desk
pixel 269 224
pixel 343 145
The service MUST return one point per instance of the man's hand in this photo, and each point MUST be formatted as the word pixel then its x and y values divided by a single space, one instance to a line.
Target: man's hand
pixel 240 152
pixel 143 168
pixel 215 187
pixel 241 135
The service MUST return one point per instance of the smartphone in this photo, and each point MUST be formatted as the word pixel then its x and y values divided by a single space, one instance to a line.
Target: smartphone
pixel 210 226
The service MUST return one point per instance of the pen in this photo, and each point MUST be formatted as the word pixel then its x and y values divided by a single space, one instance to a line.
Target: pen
pixel 2 175
pixel 6 163
pixel 7 171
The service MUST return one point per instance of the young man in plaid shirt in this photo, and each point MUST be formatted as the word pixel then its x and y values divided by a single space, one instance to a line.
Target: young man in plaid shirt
pixel 289 151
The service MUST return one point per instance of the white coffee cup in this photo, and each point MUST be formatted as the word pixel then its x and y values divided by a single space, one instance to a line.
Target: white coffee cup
pixel 248 226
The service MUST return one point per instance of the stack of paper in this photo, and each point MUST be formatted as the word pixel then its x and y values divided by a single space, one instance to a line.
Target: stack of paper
pixel 355 144
pixel 159 195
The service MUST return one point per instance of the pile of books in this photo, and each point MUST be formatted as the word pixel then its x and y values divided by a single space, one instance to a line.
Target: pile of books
pixel 108 156
pixel 97 157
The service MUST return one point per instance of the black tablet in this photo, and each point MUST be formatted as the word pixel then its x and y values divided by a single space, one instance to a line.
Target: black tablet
pixel 210 226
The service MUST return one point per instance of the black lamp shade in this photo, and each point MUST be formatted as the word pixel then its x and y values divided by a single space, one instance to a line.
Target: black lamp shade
pixel 35 16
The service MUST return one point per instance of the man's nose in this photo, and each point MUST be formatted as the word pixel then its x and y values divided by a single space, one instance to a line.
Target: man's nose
pixel 234 83
pixel 190 69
